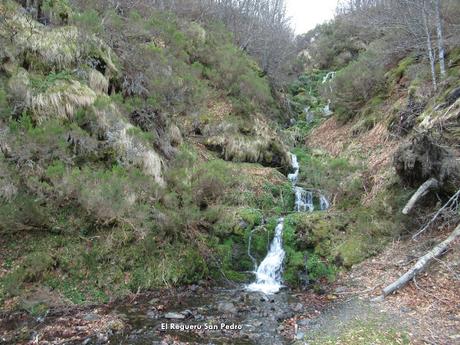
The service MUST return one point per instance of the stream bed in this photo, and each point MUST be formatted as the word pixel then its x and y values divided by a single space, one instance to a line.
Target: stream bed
pixel 216 316
pixel 239 315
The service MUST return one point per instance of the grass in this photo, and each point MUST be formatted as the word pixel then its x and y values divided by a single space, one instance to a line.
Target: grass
pixel 365 333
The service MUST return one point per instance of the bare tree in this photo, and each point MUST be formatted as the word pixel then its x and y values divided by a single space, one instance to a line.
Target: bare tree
pixel 415 25
pixel 439 30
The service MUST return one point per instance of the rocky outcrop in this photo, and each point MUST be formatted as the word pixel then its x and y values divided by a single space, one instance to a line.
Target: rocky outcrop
pixel 256 143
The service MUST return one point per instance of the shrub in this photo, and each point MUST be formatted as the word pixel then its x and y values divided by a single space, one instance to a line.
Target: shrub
pixel 357 83
pixel 317 269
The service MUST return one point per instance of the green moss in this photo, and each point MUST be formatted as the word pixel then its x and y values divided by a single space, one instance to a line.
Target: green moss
pixel 55 170
pixel 146 137
pixel 399 71
pixel 251 217
pixel 302 236
pixel 5 110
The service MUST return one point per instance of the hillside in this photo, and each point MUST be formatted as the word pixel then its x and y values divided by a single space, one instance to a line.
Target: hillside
pixel 121 154
pixel 148 164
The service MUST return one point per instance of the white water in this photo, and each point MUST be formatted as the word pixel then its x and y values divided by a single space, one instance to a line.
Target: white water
pixel 323 203
pixel 295 165
pixel 327 109
pixel 269 272
pixel 303 200
pixel 329 76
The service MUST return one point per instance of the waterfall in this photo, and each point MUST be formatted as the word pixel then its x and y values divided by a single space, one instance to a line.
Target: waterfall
pixel 328 76
pixel 327 109
pixel 268 274
pixel 295 165
pixel 323 203
pixel 303 200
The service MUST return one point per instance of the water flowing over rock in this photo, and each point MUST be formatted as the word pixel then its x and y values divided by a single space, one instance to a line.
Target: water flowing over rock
pixel 327 109
pixel 295 165
pixel 323 203
pixel 329 76
pixel 269 272
pixel 303 200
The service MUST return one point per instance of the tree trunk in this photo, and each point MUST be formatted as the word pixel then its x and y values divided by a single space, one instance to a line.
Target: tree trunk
pixel 423 190
pixel 422 263
pixel 429 46
pixel 441 49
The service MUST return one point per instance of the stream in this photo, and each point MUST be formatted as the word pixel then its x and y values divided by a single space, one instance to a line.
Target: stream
pixel 238 314
pixel 248 314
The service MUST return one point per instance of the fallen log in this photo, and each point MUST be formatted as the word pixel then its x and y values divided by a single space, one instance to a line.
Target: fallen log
pixel 422 263
pixel 423 190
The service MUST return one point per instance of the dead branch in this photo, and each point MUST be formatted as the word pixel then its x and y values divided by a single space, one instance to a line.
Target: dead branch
pixel 452 201
pixel 422 263
pixel 423 190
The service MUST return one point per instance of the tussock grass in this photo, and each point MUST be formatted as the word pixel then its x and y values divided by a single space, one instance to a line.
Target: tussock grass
pixel 131 149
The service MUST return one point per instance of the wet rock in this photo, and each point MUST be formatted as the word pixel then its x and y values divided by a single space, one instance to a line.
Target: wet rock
pixel 304 322
pixel 297 308
pixel 227 308
pixel 91 317
pixel 199 318
pixel 154 301
pixel 152 314
pixel 264 299
pixel 187 313
pixel 300 336
pixel 174 316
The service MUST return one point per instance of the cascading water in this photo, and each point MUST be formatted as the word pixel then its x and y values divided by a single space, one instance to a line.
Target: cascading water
pixel 295 165
pixel 303 200
pixel 323 203
pixel 327 109
pixel 269 272
pixel 327 78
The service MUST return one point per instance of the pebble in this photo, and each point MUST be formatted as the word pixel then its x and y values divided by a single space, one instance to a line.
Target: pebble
pixel 299 336
pixel 227 308
pixel 177 316
pixel 151 314
pixel 298 307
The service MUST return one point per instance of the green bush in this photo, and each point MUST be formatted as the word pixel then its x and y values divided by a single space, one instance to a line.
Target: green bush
pixel 358 82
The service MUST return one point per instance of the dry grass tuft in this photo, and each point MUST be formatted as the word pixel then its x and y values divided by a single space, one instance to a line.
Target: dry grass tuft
pixel 52 48
pixel 61 100
pixel 98 82
pixel 131 150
